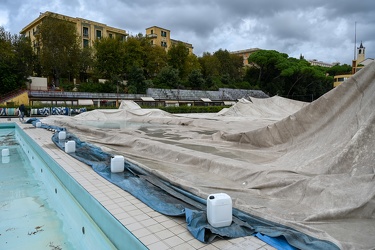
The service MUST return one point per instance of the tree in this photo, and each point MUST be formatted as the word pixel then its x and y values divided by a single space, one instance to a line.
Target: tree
pixel 210 69
pixel 295 71
pixel 192 64
pixel 278 74
pixel 304 80
pixel 97 87
pixel 168 77
pixel 230 66
pixel 86 62
pixel 16 61
pixel 59 48
pixel 155 60
pixel 268 64
pixel 339 70
pixel 136 81
pixel 24 56
pixel 196 80
pixel 8 78
pixel 177 57
pixel 251 76
pixel 109 58
pixel 133 54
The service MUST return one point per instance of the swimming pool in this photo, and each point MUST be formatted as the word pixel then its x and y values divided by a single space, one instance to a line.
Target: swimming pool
pixel 43 207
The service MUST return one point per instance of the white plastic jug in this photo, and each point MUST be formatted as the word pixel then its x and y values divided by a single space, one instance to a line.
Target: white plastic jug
pixel 219 210
pixel 70 147
pixel 62 135
pixel 5 152
pixel 117 164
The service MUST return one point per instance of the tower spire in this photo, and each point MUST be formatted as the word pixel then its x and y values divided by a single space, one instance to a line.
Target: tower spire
pixel 361 53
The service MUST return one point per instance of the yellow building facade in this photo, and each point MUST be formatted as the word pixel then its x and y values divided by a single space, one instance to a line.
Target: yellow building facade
pixel 245 54
pixel 21 98
pixel 162 37
pixel 338 79
pixel 88 30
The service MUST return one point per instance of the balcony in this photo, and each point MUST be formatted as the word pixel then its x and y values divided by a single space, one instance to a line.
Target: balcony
pixel 152 35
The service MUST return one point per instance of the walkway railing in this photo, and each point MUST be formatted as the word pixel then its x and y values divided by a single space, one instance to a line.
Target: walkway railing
pixel 81 95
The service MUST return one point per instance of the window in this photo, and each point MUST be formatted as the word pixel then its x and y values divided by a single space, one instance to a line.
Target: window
pixel 36 31
pixel 98 34
pixel 110 35
pixel 164 44
pixel 85 32
pixel 163 33
pixel 86 43
pixel 152 31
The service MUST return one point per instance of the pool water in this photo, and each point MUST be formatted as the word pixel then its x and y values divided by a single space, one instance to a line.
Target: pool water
pixel 36 210
pixel 26 215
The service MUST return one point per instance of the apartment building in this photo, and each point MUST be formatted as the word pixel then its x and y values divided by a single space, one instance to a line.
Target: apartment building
pixel 245 54
pixel 162 37
pixel 315 62
pixel 88 30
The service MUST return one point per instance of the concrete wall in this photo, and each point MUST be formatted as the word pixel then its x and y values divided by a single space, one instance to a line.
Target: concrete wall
pixel 38 83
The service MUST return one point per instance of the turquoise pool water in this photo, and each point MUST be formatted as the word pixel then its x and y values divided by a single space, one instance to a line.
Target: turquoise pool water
pixel 42 207
pixel 27 217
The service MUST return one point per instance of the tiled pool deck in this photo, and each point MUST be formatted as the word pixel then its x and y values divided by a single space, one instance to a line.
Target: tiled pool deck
pixel 154 230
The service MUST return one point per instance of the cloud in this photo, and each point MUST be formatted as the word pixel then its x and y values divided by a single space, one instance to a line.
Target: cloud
pixel 318 29
pixel 4 18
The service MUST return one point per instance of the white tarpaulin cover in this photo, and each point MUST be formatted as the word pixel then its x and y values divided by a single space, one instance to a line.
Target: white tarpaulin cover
pixel 206 99
pixel 310 167
pixel 147 98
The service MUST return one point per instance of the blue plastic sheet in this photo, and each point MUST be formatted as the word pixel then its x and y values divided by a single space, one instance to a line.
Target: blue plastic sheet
pixel 279 243
pixel 204 232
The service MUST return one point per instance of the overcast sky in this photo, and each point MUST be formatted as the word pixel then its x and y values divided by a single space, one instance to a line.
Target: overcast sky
pixel 318 29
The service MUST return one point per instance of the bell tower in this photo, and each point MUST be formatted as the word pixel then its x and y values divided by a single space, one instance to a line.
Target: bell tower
pixel 361 55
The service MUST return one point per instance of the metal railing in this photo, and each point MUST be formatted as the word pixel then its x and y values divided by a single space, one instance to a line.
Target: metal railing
pixel 81 95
